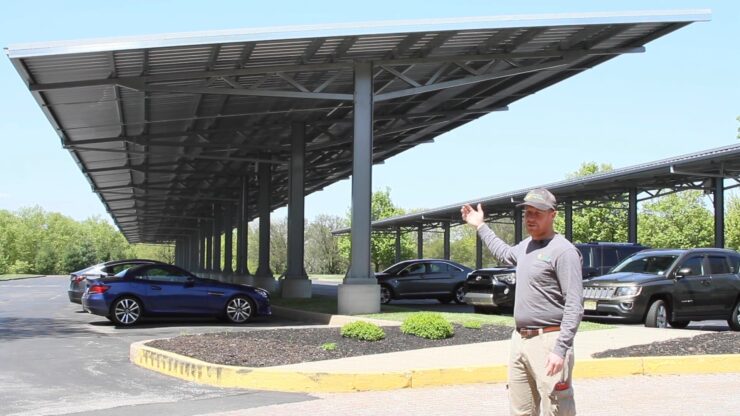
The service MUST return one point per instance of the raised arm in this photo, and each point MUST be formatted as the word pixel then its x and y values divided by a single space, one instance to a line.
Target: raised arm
pixel 502 251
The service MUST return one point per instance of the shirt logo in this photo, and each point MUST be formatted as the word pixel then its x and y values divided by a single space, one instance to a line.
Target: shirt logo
pixel 543 257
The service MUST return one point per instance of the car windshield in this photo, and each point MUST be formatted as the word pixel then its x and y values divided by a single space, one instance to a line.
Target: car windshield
pixel 656 264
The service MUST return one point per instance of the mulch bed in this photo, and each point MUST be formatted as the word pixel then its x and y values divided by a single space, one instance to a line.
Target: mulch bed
pixel 273 347
pixel 714 343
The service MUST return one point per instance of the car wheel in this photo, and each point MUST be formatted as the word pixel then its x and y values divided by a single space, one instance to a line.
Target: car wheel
pixel 126 311
pixel 239 309
pixel 459 295
pixel 734 320
pixel 679 324
pixel 657 316
pixel 385 294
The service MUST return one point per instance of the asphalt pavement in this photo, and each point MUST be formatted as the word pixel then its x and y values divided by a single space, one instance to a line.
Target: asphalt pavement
pixel 56 359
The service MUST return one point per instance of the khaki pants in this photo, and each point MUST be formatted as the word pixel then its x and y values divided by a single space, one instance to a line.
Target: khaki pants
pixel 531 390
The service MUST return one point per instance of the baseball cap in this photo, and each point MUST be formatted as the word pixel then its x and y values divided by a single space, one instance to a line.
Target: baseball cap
pixel 539 198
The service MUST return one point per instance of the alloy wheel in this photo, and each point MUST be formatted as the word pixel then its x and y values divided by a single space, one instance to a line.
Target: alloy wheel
pixel 127 311
pixel 385 295
pixel 238 310
pixel 460 295
pixel 661 320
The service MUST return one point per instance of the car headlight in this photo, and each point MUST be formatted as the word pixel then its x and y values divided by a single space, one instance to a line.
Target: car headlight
pixel 263 292
pixel 508 278
pixel 626 291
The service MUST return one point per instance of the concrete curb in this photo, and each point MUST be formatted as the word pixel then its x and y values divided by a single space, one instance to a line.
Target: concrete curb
pixel 324 318
pixel 190 369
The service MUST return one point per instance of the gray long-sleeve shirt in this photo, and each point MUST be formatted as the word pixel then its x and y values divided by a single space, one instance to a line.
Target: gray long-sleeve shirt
pixel 549 286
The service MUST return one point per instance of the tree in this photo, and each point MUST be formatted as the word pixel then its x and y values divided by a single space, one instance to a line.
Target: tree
pixel 605 222
pixel 279 246
pixel 679 220
pixel 382 246
pixel 323 254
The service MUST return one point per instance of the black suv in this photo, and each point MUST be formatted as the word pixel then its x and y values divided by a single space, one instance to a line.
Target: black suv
pixel 493 288
pixel 662 287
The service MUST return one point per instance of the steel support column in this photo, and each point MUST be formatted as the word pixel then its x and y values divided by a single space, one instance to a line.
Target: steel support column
pixel 518 232
pixel 632 216
pixel 208 265
pixel 569 220
pixel 242 234
pixel 177 252
pixel 719 212
pixel 398 244
pixel 228 231
pixel 420 242
pixel 478 251
pixel 263 206
pixel 201 246
pixel 360 292
pixel 296 283
pixel 217 227
pixel 446 242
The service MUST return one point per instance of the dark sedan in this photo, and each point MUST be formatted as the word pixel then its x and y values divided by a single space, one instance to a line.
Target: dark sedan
pixel 164 290
pixel 78 280
pixel 423 279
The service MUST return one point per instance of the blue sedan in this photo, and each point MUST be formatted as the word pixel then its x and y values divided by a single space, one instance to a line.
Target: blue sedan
pixel 160 289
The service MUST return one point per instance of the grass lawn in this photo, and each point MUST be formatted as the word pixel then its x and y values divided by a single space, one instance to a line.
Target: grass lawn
pixel 17 276
pixel 328 304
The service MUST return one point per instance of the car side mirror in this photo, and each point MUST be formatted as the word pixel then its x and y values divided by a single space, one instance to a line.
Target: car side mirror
pixel 681 273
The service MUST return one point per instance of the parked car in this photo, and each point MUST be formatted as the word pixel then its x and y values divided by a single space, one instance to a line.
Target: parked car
pixel 78 280
pixel 492 289
pixel 165 290
pixel 668 287
pixel 423 278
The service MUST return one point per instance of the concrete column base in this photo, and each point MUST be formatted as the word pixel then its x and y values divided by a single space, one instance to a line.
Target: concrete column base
pixel 267 283
pixel 358 299
pixel 295 288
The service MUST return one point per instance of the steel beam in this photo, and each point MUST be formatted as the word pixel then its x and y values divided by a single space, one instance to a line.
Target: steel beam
pixel 632 216
pixel 242 234
pixel 719 212
pixel 296 189
pixel 420 241
pixel 478 252
pixel 446 237
pixel 569 220
pixel 217 227
pixel 263 206
pixel 228 231
pixel 362 167
pixel 398 244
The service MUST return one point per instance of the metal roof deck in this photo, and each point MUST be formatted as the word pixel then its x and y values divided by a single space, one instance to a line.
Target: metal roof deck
pixel 164 126
pixel 653 178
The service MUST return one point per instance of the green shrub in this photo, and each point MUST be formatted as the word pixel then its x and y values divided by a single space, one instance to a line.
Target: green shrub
pixel 472 324
pixel 20 267
pixel 329 346
pixel 362 330
pixel 427 325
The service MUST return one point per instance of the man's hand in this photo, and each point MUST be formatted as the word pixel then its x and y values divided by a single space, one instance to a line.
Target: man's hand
pixel 474 217
pixel 554 364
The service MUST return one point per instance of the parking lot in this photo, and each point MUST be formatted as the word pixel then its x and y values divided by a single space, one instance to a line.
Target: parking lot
pixel 60 360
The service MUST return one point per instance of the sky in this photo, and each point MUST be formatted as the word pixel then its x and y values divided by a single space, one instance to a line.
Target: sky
pixel 681 96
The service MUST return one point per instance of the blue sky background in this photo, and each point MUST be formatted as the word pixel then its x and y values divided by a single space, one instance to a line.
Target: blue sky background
pixel 681 96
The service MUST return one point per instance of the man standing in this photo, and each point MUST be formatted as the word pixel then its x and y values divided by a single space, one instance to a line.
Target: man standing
pixel 548 307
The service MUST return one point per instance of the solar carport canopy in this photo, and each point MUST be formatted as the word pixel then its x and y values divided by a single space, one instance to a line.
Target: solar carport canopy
pixel 692 171
pixel 165 126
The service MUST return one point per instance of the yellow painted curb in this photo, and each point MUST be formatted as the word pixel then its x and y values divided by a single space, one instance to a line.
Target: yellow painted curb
pixel 190 369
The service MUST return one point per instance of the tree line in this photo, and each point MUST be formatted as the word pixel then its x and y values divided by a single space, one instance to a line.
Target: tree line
pixel 35 241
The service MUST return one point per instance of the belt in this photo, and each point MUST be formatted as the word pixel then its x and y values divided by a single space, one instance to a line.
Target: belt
pixel 533 332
